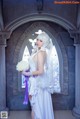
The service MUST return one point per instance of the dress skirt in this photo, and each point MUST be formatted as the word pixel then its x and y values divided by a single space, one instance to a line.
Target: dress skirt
pixel 41 104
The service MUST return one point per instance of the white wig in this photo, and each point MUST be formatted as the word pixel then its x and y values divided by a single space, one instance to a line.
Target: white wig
pixel 47 43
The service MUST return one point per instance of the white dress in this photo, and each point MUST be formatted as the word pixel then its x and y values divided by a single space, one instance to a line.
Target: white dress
pixel 41 101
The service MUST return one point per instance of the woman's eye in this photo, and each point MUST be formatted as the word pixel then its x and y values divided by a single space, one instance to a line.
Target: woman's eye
pixel 40 40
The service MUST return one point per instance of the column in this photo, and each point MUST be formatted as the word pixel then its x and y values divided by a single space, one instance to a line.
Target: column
pixel 2 73
pixel 76 109
pixel 76 36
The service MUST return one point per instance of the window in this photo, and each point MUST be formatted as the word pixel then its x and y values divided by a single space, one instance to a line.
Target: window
pixel 55 65
pixel 25 56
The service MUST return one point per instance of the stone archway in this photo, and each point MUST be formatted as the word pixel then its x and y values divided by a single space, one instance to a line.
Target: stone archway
pixel 43 17
pixel 59 46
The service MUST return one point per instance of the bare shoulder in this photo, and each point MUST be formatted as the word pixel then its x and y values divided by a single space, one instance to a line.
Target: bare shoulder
pixel 42 54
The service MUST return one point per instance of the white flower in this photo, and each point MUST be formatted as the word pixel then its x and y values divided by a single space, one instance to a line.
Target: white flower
pixel 39 32
pixel 22 65
pixel 32 42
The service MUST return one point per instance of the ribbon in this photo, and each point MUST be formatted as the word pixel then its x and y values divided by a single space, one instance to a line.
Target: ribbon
pixel 25 102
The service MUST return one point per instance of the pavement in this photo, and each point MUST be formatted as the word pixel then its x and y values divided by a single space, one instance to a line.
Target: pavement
pixel 59 114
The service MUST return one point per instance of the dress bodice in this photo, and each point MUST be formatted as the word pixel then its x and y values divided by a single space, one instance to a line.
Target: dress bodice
pixel 33 64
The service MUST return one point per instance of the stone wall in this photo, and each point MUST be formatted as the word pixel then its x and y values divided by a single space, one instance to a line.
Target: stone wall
pixel 14 10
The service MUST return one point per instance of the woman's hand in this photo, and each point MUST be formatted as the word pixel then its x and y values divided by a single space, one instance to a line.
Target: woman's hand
pixel 30 97
pixel 26 73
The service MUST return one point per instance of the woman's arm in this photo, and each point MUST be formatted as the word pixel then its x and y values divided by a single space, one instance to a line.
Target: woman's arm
pixel 40 65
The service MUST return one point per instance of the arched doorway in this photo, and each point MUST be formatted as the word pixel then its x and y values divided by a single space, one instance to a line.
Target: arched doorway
pixel 21 43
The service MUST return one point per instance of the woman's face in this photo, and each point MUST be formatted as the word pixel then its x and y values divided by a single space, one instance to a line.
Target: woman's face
pixel 39 43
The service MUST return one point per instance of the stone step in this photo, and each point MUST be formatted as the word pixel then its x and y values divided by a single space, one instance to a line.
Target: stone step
pixel 60 114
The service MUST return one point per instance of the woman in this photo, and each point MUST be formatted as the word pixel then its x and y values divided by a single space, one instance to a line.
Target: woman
pixel 39 84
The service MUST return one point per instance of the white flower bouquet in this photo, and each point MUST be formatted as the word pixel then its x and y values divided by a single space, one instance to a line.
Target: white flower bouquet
pixel 22 65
